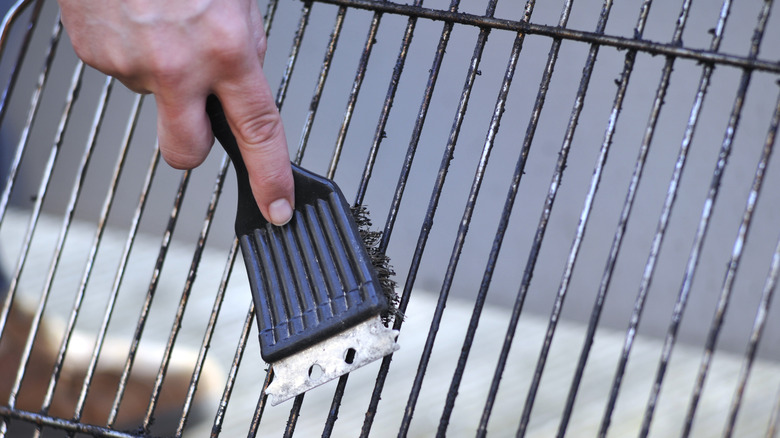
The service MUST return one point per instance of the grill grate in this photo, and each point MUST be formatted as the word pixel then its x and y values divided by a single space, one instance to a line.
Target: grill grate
pixel 676 236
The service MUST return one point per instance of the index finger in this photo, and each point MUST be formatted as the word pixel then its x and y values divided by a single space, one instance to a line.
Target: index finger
pixel 257 125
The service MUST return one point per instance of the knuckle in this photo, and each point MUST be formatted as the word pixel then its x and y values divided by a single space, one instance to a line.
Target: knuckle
pixel 230 43
pixel 273 183
pixel 262 46
pixel 260 131
pixel 278 178
pixel 121 68
pixel 106 63
pixel 81 51
pixel 166 70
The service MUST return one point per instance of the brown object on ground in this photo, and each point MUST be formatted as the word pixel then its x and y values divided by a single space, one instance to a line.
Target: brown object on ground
pixel 103 388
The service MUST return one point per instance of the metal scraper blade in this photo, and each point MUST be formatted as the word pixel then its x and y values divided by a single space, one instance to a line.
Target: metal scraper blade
pixel 317 296
pixel 331 359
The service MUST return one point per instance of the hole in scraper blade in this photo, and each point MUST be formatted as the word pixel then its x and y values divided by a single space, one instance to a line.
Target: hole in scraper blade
pixel 349 355
pixel 316 372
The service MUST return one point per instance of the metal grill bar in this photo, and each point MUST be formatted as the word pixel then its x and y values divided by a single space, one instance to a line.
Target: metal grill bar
pixel 12 15
pixel 304 21
pixel 295 413
pixel 769 286
pixel 478 178
pixel 69 426
pixel 624 216
pixel 78 301
pixel 42 191
pixel 219 418
pixel 709 57
pixel 315 100
pixel 120 272
pixel 270 13
pixel 432 206
pixel 460 115
pixel 701 233
pixel 663 222
pixel 154 282
pixel 585 216
pixel 433 75
pixel 360 74
pixel 519 171
pixel 196 257
pixel 261 402
pixel 20 149
pixel 739 244
pixel 99 115
pixel 544 220
pixel 395 205
pixel 207 337
pixel 379 133
pixel 62 237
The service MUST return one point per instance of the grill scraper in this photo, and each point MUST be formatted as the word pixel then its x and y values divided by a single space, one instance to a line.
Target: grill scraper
pixel 317 296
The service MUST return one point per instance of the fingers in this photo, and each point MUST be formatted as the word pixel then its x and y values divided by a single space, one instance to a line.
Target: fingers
pixel 183 129
pixel 181 54
pixel 256 24
pixel 251 112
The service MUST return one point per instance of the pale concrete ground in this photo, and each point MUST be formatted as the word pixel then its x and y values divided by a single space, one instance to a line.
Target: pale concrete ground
pixel 755 411
pixel 552 394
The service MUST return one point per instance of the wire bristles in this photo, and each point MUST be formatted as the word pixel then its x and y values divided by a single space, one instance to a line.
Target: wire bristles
pixel 381 262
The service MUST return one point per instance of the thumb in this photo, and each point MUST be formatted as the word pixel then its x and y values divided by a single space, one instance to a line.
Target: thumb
pixel 257 126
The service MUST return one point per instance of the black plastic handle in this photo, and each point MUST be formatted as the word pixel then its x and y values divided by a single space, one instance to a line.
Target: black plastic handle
pixel 308 186
pixel 310 278
pixel 248 215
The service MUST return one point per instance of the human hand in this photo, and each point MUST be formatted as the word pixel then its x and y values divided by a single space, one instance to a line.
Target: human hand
pixel 182 51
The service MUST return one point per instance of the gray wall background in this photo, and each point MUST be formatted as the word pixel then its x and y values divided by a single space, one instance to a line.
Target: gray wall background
pixel 588 138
